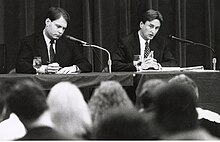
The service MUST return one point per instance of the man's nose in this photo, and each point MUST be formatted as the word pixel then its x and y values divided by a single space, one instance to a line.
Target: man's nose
pixel 61 30
pixel 154 30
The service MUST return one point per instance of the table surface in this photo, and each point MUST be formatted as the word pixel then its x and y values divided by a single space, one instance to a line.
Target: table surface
pixel 207 81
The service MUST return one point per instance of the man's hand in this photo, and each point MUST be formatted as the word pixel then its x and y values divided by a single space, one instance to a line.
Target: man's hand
pixel 68 70
pixel 150 63
pixel 42 69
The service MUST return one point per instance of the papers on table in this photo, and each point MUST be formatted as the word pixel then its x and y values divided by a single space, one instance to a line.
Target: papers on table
pixel 194 69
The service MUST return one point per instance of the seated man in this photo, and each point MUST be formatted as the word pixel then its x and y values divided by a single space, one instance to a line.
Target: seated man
pixel 176 114
pixel 52 47
pixel 208 119
pixel 153 49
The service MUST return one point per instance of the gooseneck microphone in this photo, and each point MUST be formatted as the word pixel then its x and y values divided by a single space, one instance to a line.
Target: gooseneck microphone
pixel 75 39
pixel 180 39
pixel 85 44
pixel 214 60
pixel 190 42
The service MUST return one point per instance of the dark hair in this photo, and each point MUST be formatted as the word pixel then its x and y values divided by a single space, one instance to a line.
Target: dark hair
pixel 55 13
pixel 122 124
pixel 5 88
pixel 145 99
pixel 176 108
pixel 151 15
pixel 27 100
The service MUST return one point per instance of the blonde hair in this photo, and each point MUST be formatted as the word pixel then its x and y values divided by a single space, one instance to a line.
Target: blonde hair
pixel 69 111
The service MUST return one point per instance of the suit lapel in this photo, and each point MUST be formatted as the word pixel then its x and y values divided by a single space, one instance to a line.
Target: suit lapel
pixel 59 50
pixel 154 46
pixel 42 48
pixel 136 44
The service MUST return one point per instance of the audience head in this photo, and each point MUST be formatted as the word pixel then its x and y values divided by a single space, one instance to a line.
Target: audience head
pixel 56 23
pixel 27 100
pixel 126 124
pixel 109 95
pixel 145 98
pixel 69 111
pixel 175 108
pixel 5 88
pixel 185 80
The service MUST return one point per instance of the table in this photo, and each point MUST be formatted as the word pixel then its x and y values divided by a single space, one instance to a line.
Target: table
pixel 208 82
pixel 81 80
pixel 85 81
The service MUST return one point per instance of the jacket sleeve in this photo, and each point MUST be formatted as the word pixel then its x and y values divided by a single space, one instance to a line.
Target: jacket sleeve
pixel 24 59
pixel 122 58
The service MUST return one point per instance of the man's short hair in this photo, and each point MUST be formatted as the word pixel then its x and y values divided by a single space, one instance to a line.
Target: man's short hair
pixel 55 13
pixel 122 124
pixel 176 108
pixel 151 15
pixel 27 100
pixel 185 80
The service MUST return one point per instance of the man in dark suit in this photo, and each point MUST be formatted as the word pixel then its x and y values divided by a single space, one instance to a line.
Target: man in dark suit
pixel 143 42
pixel 28 101
pixel 52 47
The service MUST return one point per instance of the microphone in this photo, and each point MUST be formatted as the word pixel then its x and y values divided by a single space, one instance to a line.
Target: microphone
pixel 180 39
pixel 214 60
pixel 85 44
pixel 75 39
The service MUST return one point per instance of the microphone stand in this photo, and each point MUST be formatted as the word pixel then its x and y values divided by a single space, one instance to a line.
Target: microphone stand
pixel 109 56
pixel 214 60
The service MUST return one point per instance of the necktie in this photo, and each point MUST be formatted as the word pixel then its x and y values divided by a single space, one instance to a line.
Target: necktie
pixel 52 53
pixel 146 50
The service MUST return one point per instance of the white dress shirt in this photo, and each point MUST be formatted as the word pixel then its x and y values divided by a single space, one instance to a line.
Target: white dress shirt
pixel 142 44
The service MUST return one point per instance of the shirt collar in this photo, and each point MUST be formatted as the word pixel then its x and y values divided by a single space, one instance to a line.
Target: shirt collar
pixel 47 39
pixel 142 40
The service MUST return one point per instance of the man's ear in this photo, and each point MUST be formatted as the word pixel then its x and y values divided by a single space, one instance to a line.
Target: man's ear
pixel 141 24
pixel 47 21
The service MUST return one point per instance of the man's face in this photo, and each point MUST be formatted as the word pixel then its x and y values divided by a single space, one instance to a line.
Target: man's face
pixel 149 29
pixel 55 29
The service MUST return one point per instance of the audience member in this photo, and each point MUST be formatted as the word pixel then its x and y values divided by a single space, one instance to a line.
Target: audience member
pixel 176 115
pixel 28 101
pixel 122 124
pixel 69 111
pixel 109 95
pixel 11 127
pixel 144 100
pixel 145 103
pixel 208 119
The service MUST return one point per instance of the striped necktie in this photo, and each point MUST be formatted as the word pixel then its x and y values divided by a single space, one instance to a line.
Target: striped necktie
pixel 146 50
pixel 52 53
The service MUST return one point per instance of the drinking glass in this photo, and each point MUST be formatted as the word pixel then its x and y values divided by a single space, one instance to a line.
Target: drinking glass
pixel 137 62
pixel 37 62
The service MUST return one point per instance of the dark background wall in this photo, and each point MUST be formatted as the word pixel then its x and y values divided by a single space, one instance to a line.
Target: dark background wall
pixel 103 22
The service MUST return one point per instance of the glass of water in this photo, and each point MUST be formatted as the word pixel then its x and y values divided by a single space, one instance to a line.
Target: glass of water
pixel 37 62
pixel 137 62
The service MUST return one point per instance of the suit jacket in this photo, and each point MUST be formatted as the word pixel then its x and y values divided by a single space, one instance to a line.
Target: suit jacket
pixel 43 133
pixel 129 46
pixel 212 127
pixel 67 54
